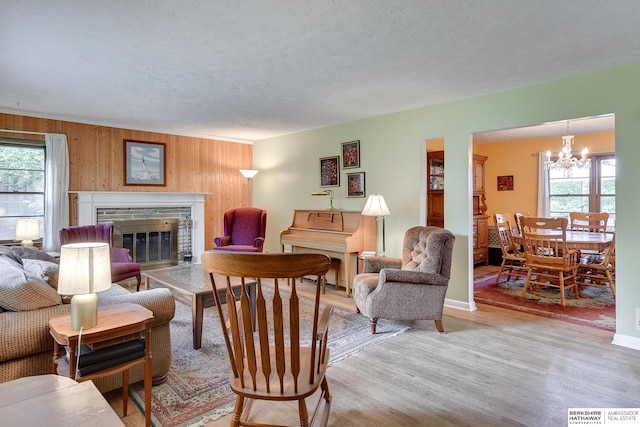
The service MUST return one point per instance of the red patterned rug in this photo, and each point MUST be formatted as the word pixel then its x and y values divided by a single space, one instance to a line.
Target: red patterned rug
pixel 597 310
pixel 197 388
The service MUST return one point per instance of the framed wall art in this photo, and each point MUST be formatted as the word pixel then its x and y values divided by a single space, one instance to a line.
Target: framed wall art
pixel 505 183
pixel 351 154
pixel 144 163
pixel 330 171
pixel 355 184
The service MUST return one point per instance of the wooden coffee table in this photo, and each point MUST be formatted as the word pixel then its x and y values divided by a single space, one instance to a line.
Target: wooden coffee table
pixel 192 284
pixel 53 400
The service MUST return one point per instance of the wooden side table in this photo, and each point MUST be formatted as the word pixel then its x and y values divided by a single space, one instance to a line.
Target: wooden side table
pixel 114 322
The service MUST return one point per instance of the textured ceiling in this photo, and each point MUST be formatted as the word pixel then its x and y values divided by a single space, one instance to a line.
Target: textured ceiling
pixel 253 69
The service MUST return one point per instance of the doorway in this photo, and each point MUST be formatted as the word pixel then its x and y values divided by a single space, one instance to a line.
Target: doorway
pixel 513 157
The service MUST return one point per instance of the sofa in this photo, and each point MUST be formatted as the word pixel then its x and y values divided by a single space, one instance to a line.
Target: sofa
pixel 28 299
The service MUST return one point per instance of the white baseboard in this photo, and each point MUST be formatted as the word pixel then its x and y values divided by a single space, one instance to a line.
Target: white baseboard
pixel 460 305
pixel 626 341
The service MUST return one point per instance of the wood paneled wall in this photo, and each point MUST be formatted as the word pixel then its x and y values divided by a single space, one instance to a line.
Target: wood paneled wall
pixel 96 157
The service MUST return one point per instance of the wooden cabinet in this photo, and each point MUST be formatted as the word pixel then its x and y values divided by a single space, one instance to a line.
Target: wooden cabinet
pixel 480 220
pixel 435 188
pixel 479 200
pixel 481 239
pixel 435 202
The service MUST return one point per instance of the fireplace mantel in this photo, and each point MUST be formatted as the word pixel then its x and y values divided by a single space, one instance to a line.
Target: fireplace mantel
pixel 90 201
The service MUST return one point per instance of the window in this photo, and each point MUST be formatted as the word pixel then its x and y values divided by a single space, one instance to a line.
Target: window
pixel 22 183
pixel 585 190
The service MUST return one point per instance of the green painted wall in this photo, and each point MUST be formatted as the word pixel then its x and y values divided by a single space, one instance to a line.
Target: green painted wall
pixel 392 156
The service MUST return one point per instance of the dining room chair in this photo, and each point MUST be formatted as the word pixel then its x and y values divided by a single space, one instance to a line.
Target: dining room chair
pixel 589 221
pixel 513 258
pixel 287 358
pixel 517 218
pixel 599 270
pixel 549 261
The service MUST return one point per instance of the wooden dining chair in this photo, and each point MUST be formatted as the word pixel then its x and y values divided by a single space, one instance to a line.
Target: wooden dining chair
pixel 513 259
pixel 278 362
pixel 599 270
pixel 589 221
pixel 517 218
pixel 548 260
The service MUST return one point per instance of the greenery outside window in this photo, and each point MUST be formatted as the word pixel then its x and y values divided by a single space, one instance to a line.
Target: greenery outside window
pixel 586 190
pixel 22 184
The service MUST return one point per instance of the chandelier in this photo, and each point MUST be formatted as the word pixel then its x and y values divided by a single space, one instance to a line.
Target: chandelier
pixel 566 161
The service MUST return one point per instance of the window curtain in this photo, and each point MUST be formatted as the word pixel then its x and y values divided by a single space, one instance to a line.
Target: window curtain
pixel 544 210
pixel 56 204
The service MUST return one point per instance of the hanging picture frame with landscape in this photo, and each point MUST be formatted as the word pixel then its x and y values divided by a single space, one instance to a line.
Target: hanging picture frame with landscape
pixel 144 163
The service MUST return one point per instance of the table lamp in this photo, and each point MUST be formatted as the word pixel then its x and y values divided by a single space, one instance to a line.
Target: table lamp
pixel 85 268
pixel 27 230
pixel 377 207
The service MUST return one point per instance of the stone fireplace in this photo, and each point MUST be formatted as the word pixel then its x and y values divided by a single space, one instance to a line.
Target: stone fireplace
pixel 185 210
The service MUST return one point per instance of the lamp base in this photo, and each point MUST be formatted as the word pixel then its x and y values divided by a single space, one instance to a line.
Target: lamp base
pixel 84 311
pixel 26 243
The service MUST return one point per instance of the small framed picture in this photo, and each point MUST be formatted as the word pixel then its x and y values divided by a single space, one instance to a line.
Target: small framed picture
pixel 330 171
pixel 351 154
pixel 505 183
pixel 355 184
pixel 144 163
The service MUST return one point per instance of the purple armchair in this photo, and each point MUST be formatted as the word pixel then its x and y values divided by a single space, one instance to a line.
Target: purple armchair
pixel 244 230
pixel 121 265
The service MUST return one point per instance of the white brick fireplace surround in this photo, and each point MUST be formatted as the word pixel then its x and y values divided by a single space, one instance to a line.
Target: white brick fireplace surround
pixel 90 201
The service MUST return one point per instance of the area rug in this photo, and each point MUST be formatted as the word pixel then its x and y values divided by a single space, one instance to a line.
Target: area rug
pixel 597 310
pixel 197 388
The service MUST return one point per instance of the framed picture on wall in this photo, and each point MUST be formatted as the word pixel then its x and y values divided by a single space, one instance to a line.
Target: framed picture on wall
pixel 355 184
pixel 351 154
pixel 330 171
pixel 144 163
pixel 505 183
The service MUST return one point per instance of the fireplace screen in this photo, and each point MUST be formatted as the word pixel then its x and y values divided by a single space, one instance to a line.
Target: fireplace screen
pixel 152 243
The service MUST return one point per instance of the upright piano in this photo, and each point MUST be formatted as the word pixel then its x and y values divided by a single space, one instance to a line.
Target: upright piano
pixel 337 234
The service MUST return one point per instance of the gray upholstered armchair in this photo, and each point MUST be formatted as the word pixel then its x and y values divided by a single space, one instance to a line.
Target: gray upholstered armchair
pixel 411 288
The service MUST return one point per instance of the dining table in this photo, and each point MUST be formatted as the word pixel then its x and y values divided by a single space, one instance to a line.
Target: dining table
pixel 583 240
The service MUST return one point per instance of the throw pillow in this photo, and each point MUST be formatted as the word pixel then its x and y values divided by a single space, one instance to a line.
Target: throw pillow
pixel 47 271
pixel 5 251
pixel 22 292
pixel 31 252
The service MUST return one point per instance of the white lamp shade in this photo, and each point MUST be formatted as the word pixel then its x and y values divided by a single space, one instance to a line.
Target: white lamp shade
pixel 27 229
pixel 375 206
pixel 249 173
pixel 84 268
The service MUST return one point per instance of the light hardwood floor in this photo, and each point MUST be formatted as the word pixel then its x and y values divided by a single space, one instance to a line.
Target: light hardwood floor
pixel 493 367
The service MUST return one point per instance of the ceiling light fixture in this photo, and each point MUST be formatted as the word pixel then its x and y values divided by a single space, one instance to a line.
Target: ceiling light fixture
pixel 566 162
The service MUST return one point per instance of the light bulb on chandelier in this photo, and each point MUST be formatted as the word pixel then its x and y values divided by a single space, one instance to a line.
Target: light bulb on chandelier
pixel 566 162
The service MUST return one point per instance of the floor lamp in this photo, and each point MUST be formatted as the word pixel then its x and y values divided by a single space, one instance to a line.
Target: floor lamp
pixel 249 174
pixel 377 207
